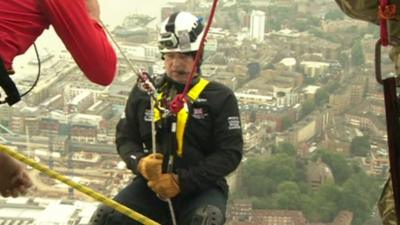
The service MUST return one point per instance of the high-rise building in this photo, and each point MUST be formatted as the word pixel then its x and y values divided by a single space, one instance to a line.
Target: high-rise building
pixel 257 25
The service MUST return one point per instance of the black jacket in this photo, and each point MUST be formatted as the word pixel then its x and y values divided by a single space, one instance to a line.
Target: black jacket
pixel 212 146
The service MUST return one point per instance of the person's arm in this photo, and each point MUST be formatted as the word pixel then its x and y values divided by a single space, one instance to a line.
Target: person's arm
pixel 14 180
pixel 76 23
pixel 93 9
pixel 227 151
pixel 128 138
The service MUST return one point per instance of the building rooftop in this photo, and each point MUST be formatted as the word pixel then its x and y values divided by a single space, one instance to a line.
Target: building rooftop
pixel 311 89
pixel 288 61
pixel 42 211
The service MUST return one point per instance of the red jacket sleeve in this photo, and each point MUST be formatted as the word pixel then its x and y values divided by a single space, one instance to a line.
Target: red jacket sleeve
pixel 84 38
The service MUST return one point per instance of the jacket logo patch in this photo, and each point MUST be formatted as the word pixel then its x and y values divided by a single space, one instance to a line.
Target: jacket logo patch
pixel 201 100
pixel 233 122
pixel 199 113
pixel 148 115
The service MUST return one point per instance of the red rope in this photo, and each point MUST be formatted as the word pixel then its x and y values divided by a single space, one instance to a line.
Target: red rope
pixel 383 23
pixel 180 99
pixel 386 12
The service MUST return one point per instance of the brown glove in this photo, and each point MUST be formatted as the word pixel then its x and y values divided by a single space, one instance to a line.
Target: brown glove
pixel 166 185
pixel 150 166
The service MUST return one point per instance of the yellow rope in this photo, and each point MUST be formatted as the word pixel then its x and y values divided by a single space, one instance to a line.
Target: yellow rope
pixel 95 195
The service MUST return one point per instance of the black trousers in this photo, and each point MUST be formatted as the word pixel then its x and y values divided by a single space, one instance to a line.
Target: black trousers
pixel 8 85
pixel 143 200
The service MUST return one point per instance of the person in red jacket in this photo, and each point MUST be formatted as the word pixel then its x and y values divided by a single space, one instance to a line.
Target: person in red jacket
pixel 77 24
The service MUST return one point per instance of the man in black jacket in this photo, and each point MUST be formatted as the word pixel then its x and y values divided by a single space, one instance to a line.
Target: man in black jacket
pixel 190 165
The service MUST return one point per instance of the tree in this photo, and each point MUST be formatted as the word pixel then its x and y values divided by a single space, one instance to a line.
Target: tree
pixel 357 54
pixel 287 149
pixel 312 20
pixel 278 168
pixel 319 207
pixel 344 59
pixel 316 31
pixel 309 80
pixel 329 192
pixel 262 176
pixel 253 69
pixel 300 25
pixel 274 184
pixel 337 163
pixel 321 97
pixel 359 195
pixel 360 146
pixel 253 116
pixel 274 148
pixel 307 107
pixel 254 167
pixel 267 202
pixel 278 16
pixel 260 186
pixel 288 196
pixel 301 174
pixel 332 87
pixel 323 206
pixel 286 122
pixel 288 186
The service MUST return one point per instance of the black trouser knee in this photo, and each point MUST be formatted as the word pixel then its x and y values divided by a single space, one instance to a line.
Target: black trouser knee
pixel 209 215
pixel 105 215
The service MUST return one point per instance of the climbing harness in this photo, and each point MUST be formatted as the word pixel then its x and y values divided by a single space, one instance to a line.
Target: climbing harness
pixel 182 115
pixel 176 123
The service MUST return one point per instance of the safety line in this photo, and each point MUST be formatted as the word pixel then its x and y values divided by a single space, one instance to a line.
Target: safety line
pixel 151 90
pixel 86 190
pixel 131 66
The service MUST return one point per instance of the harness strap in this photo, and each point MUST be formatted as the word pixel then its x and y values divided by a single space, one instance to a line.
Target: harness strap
pixel 183 114
pixel 8 85
pixel 182 117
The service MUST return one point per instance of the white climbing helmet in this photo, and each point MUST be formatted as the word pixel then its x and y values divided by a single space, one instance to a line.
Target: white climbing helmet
pixel 181 32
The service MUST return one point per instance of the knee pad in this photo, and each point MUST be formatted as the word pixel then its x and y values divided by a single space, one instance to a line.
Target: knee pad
pixel 104 215
pixel 209 215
